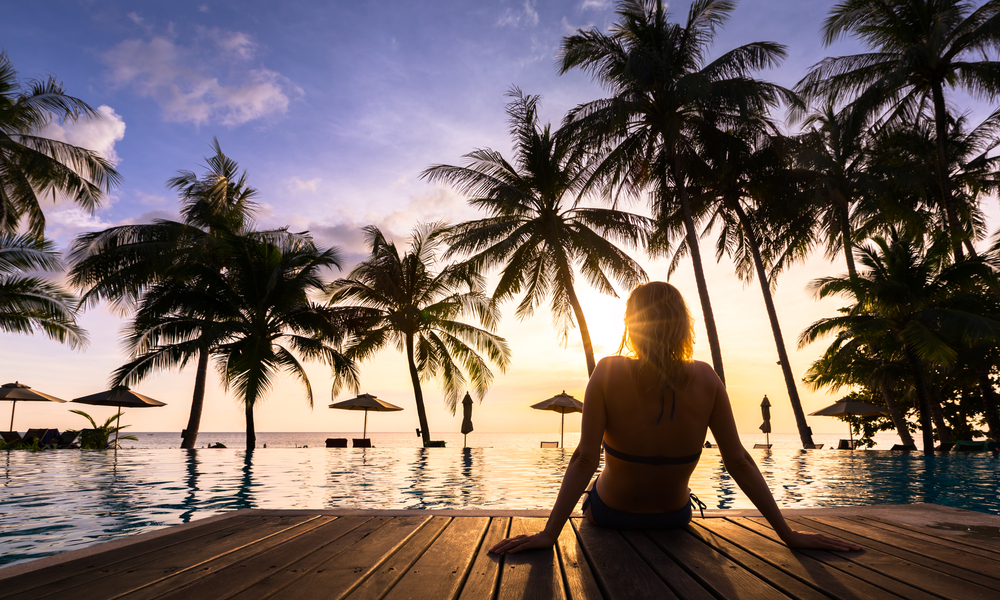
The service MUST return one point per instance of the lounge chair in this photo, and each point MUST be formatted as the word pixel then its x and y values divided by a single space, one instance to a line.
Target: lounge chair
pixel 904 447
pixel 945 447
pixel 846 445
pixel 813 446
pixel 336 442
pixel 45 437
pixel 67 438
pixel 10 437
pixel 362 442
pixel 550 444
pixel 762 446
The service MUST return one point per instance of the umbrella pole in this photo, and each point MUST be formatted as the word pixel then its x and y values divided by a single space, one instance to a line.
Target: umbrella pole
pixel 13 405
pixel 465 440
pixel 850 432
pixel 562 422
pixel 118 426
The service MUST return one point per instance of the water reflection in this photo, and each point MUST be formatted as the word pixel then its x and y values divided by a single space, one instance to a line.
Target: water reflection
pixel 190 502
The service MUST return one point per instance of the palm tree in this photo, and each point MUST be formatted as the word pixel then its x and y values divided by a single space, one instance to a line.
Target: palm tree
pixel 920 300
pixel 667 97
pixel 32 165
pixel 120 264
pixel 401 300
pixel 28 304
pixel 747 172
pixel 917 49
pixel 536 231
pixel 255 315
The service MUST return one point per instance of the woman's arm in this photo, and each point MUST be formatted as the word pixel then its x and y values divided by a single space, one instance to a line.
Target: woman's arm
pixel 745 473
pixel 582 466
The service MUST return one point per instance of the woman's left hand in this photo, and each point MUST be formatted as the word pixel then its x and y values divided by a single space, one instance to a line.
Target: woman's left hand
pixel 524 542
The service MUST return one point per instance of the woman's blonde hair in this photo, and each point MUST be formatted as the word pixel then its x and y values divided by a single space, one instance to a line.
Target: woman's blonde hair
pixel 659 332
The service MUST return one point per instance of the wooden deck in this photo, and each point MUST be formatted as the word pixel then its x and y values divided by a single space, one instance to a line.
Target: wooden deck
pixel 374 555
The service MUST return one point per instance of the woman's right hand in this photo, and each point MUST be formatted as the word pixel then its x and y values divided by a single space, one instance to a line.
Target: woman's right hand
pixel 819 541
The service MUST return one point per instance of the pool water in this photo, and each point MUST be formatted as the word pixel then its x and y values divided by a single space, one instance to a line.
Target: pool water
pixel 64 500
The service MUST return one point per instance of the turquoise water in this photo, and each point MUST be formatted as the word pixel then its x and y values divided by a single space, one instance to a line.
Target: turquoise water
pixel 64 500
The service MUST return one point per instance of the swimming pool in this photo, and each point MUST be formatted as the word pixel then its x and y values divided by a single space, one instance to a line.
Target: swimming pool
pixel 64 500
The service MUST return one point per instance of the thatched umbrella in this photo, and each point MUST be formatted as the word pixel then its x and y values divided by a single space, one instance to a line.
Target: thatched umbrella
pixel 562 403
pixel 466 418
pixel 18 392
pixel 848 408
pixel 366 402
pixel 122 397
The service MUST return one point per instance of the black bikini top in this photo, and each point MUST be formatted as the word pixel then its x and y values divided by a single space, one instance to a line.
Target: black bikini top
pixel 656 460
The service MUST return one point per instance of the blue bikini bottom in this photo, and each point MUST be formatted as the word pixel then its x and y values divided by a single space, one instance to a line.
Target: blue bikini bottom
pixel 605 516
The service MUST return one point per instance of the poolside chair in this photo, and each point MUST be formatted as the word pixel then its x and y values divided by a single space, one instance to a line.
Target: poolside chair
pixel 362 442
pixel 45 437
pixel 67 438
pixel 10 437
pixel 846 445
pixel 945 447
pixel 904 447
pixel 813 446
pixel 550 444
pixel 762 446
pixel 336 442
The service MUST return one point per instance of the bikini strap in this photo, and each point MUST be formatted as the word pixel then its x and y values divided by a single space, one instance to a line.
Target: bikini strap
pixel 701 505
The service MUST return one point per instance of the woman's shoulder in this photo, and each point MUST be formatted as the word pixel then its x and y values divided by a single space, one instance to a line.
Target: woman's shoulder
pixel 704 372
pixel 615 361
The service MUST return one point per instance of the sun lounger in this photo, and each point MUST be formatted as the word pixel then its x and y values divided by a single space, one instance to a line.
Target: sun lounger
pixel 762 446
pixel 362 443
pixel 11 437
pixel 67 438
pixel 846 445
pixel 45 437
pixel 813 446
pixel 336 442
pixel 904 447
pixel 550 444
pixel 945 447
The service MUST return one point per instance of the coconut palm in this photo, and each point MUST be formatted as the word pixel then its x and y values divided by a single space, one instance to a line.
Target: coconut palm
pixel 32 165
pixel 919 299
pixel 918 48
pixel 120 264
pixel 401 300
pixel 667 96
pixel 29 304
pixel 536 232
pixel 256 316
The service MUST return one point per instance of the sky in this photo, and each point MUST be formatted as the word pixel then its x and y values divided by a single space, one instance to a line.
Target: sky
pixel 334 109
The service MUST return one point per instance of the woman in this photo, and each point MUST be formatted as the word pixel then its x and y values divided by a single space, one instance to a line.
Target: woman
pixel 652 413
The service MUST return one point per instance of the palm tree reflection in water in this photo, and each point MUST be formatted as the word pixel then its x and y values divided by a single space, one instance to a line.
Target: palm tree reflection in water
pixel 243 497
pixel 190 502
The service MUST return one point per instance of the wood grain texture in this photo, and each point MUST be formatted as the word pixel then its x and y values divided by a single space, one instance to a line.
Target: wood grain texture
pixel 679 581
pixel 580 581
pixel 960 542
pixel 481 584
pixel 620 570
pixel 533 574
pixel 440 571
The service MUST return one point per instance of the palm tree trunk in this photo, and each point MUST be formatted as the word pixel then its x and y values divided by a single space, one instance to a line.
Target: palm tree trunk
pixel 805 433
pixel 248 403
pixel 418 395
pixel 989 402
pixel 894 413
pixel 926 429
pixel 846 241
pixel 699 272
pixel 588 346
pixel 941 130
pixel 190 433
pixel 944 432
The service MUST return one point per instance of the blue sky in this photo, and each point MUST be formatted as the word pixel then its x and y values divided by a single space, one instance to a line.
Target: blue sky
pixel 334 108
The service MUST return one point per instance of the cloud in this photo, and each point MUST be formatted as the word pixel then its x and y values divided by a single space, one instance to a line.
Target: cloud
pixel 514 18
pixel 99 134
pixel 135 18
pixel 297 185
pixel 595 4
pixel 182 79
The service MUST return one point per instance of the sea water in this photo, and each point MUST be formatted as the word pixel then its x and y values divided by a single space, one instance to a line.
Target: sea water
pixel 54 501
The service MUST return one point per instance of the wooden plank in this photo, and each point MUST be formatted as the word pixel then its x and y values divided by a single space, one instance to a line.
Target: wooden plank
pixel 816 573
pixel 753 563
pixel 481 584
pixel 532 574
pixel 580 581
pixel 379 581
pixel 440 571
pixel 895 566
pixel 620 570
pixel 155 582
pixel 841 562
pixel 682 584
pixel 77 572
pixel 719 574
pixel 960 542
pixel 983 572
pixel 334 569
pixel 126 575
pixel 247 573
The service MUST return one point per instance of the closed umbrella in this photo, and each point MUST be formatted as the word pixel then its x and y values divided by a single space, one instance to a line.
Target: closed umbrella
pixel 365 402
pixel 765 411
pixel 847 408
pixel 18 392
pixel 466 418
pixel 562 403
pixel 122 397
